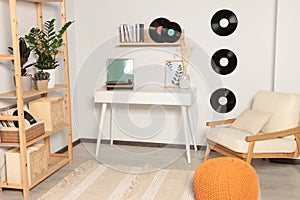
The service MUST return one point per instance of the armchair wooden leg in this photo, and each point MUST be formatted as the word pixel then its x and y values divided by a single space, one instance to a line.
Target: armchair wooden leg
pixel 207 152
pixel 250 151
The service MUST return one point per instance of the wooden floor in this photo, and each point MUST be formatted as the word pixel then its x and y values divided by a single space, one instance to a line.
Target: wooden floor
pixel 277 181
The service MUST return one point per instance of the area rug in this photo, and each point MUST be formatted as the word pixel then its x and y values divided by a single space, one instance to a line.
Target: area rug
pixel 92 180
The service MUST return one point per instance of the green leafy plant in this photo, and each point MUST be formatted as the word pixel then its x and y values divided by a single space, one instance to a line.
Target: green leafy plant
pixel 24 55
pixel 41 75
pixel 46 43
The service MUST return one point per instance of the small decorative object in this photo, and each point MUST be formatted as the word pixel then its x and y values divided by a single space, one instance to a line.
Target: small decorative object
pixel 120 73
pixel 185 52
pixel 46 43
pixel 41 79
pixel 24 55
pixel 174 70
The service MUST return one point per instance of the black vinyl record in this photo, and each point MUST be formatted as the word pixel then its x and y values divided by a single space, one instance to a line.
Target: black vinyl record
pixel 173 33
pixel 27 117
pixel 224 61
pixel 158 29
pixel 224 22
pixel 162 30
pixel 222 100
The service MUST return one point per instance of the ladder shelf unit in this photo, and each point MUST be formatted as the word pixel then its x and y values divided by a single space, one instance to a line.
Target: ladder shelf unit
pixel 55 161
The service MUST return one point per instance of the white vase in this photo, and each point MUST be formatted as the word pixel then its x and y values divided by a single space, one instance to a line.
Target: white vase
pixel 26 82
pixel 52 73
pixel 184 80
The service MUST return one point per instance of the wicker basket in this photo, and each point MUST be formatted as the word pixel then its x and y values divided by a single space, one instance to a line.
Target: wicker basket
pixel 11 135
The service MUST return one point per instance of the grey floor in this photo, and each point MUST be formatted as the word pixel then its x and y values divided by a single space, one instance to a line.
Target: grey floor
pixel 277 181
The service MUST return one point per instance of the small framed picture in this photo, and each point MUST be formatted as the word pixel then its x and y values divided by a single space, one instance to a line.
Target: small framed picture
pixel 173 71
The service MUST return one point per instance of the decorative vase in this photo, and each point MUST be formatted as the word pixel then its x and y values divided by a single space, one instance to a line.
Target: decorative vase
pixel 52 73
pixel 41 84
pixel 26 82
pixel 184 80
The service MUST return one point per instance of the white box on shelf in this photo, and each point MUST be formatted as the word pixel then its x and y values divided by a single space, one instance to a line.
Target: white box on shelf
pixel 36 160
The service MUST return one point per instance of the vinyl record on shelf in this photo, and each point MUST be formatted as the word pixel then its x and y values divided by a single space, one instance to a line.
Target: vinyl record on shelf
pixel 158 29
pixel 222 100
pixel 224 61
pixel 162 30
pixel 173 33
pixel 224 22
pixel 27 116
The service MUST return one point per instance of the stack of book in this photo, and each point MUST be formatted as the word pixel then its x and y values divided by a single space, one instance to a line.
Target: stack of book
pixel 132 33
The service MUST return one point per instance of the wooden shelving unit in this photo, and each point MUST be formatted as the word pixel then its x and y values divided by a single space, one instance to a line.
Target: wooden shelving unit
pixel 55 161
pixel 149 42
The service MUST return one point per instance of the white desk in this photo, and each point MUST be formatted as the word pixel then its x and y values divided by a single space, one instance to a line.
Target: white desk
pixel 151 96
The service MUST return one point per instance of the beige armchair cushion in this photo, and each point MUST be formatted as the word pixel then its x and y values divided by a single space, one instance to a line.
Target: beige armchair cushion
pixel 234 139
pixel 283 107
pixel 251 121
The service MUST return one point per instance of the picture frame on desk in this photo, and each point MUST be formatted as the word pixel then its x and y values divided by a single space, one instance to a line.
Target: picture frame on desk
pixel 173 71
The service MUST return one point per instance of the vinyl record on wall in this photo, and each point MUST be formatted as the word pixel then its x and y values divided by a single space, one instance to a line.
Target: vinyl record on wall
pixel 162 30
pixel 222 100
pixel 224 22
pixel 224 61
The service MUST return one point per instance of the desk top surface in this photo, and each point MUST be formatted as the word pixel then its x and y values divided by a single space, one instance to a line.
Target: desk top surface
pixel 145 95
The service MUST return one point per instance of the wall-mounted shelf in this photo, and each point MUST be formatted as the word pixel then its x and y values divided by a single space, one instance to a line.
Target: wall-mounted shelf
pixel 149 42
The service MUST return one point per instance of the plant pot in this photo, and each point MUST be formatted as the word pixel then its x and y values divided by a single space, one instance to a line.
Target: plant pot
pixel 41 84
pixel 26 82
pixel 52 73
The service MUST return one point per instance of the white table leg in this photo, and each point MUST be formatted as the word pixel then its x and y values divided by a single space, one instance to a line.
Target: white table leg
pixel 186 132
pixel 191 125
pixel 104 105
pixel 111 125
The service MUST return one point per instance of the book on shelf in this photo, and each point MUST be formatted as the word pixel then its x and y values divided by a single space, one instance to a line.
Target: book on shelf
pixel 134 33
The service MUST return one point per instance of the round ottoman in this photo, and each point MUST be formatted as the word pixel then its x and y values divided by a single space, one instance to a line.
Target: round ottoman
pixel 225 178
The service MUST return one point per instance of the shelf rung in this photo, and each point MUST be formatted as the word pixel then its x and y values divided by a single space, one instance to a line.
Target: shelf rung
pixel 10 118
pixel 6 57
pixel 43 1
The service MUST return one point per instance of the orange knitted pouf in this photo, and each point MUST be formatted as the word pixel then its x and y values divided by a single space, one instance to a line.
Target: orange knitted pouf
pixel 225 178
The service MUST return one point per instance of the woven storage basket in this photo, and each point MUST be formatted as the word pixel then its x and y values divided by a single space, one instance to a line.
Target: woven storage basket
pixel 11 135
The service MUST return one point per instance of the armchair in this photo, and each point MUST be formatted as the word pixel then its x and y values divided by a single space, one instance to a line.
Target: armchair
pixel 269 130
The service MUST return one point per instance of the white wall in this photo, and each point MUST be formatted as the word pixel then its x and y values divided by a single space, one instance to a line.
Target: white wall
pixel 96 39
pixel 287 68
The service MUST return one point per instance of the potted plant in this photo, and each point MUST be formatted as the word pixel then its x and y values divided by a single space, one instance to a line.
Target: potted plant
pixel 41 80
pixel 45 44
pixel 24 55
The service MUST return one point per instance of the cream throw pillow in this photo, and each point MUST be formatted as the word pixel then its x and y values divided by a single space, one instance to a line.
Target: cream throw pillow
pixel 251 121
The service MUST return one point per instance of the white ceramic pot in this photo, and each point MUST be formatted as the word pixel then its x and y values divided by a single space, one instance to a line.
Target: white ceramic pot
pixel 26 82
pixel 52 73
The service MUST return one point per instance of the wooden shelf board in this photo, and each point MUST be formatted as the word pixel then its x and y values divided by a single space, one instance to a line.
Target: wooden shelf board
pixel 54 164
pixel 43 1
pixel 31 93
pixel 10 118
pixel 11 185
pixel 6 57
pixel 148 42
pixel 47 134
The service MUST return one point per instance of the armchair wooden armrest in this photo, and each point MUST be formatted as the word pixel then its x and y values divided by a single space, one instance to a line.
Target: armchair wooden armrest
pixel 292 131
pixel 221 122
